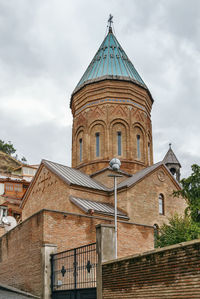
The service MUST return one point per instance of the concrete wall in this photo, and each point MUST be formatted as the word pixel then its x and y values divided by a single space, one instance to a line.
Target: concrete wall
pixel 171 272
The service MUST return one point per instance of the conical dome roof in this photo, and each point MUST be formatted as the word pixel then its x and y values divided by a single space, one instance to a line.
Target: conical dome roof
pixel 110 62
pixel 170 157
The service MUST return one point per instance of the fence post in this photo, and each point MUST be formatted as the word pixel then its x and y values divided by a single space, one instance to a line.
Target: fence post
pixel 105 238
pixel 47 251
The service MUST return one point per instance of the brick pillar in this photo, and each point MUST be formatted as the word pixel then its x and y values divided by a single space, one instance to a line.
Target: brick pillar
pixel 105 238
pixel 47 250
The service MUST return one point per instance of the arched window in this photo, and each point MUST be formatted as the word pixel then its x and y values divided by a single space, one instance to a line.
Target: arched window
pixel 97 144
pixel 173 171
pixel 119 143
pixel 138 147
pixel 161 204
pixel 80 149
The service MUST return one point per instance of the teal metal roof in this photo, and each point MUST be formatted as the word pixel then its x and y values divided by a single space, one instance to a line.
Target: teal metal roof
pixel 110 62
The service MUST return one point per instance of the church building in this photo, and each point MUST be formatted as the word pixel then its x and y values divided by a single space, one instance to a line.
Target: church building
pixel 111 107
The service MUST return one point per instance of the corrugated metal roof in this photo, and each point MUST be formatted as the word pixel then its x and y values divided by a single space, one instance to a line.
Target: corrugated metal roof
pixel 138 176
pixel 98 207
pixel 74 176
pixel 110 60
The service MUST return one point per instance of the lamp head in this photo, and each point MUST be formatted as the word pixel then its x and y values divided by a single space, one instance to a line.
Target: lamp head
pixel 115 164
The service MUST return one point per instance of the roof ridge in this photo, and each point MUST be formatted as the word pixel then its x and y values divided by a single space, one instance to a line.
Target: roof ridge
pixel 76 177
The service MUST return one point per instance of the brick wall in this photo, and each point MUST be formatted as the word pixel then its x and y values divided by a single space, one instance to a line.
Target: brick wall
pixel 171 272
pixel 141 201
pixel 68 230
pixel 21 262
pixel 50 192
pixel 20 256
pixel 130 114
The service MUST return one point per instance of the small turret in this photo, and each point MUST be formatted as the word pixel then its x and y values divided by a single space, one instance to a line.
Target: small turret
pixel 171 161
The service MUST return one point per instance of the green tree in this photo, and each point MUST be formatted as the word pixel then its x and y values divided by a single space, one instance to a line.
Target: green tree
pixel 185 228
pixel 179 229
pixel 7 148
pixel 191 192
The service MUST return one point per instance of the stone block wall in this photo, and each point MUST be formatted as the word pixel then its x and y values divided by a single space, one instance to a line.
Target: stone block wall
pixel 171 272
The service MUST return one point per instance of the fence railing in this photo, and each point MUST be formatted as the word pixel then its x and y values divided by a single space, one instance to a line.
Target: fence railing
pixel 74 269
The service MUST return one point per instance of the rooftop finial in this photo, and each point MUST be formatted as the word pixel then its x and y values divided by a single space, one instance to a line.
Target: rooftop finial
pixel 110 21
pixel 170 145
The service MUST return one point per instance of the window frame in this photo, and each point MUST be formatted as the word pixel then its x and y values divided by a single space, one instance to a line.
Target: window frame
pixel 80 150
pixel 119 143
pixel 97 137
pixel 161 204
pixel 138 147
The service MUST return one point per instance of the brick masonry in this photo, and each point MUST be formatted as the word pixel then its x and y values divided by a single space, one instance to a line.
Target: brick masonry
pixel 20 256
pixel 172 272
pixel 140 201
pixel 107 107
pixel 23 244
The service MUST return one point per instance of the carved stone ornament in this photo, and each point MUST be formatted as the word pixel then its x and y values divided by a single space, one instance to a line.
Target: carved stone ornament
pixel 161 175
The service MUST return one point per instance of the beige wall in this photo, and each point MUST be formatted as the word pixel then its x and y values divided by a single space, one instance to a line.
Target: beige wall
pixel 141 201
pixel 50 192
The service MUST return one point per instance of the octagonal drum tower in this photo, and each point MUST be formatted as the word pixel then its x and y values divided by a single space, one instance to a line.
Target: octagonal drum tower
pixel 111 107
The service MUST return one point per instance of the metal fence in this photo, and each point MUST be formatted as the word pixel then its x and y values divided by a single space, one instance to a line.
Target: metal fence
pixel 74 269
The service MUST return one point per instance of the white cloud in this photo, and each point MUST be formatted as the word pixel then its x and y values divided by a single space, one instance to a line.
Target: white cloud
pixel 46 47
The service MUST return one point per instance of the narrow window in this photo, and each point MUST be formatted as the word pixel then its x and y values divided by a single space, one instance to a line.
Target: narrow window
pixel 149 153
pixel 119 143
pixel 97 144
pixel 81 148
pixel 138 147
pixel 161 204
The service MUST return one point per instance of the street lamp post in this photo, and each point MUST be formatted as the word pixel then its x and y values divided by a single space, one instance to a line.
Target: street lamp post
pixel 115 165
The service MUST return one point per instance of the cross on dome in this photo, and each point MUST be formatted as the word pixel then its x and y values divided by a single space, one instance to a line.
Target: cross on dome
pixel 110 21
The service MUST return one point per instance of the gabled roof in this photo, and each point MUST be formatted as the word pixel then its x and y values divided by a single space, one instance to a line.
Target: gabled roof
pixel 143 173
pixel 139 175
pixel 170 157
pixel 110 62
pixel 109 168
pixel 73 176
pixel 98 207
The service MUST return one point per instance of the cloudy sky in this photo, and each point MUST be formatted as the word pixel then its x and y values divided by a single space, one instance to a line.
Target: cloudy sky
pixel 46 45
